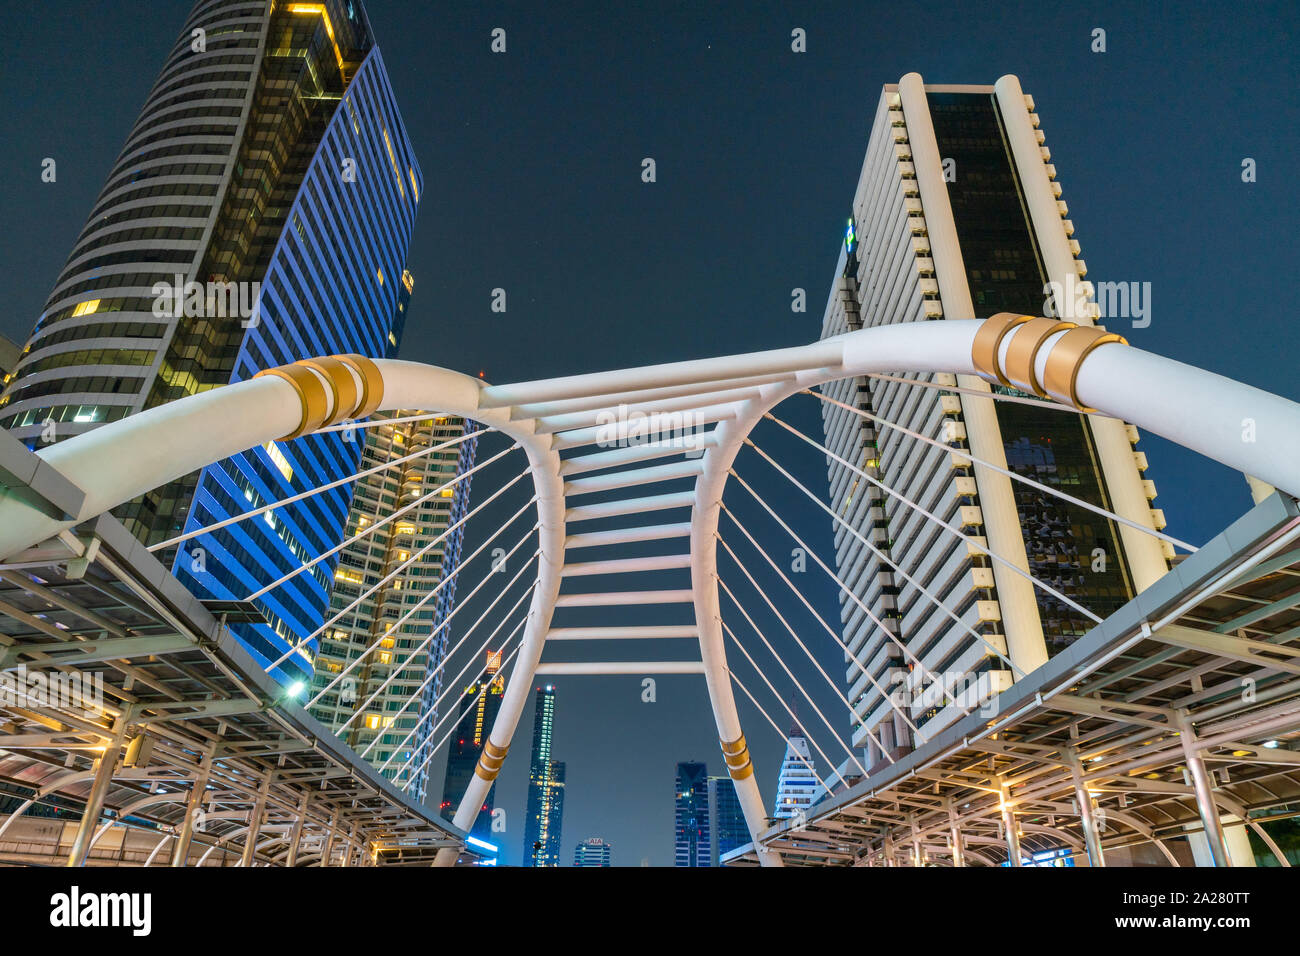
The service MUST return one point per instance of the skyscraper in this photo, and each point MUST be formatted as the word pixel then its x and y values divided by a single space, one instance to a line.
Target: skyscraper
pixel 259 213
pixel 727 828
pixel 797 783
pixel 957 215
pixel 542 825
pixel 593 852
pixel 387 588
pixel 478 710
pixel 691 831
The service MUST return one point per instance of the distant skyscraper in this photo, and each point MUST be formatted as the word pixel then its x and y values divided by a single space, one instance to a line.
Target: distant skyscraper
pixel 478 710
pixel 727 827
pixel 545 789
pixel 957 216
pixel 259 213
pixel 797 782
pixel 593 852
pixel 379 585
pixel 692 840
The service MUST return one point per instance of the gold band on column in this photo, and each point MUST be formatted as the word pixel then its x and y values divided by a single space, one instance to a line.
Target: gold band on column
pixel 1022 353
pixel 988 342
pixel 736 755
pixel 311 393
pixel 339 378
pixel 490 761
pixel 372 383
pixel 1066 358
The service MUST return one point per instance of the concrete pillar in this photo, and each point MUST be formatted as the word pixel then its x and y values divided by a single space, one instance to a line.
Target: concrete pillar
pixel 1144 553
pixel 1016 599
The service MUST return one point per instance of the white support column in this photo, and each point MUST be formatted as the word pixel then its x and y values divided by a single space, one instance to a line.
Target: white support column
pixel 1009 825
pixel 1019 607
pixel 181 851
pixel 295 833
pixel 954 837
pixel 1213 827
pixel 255 821
pixel 1145 557
pixel 1087 818
pixel 98 789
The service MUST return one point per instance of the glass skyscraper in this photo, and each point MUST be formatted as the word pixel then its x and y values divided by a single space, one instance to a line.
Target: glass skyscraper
pixel 386 608
pixel 259 213
pixel 727 828
pixel 545 817
pixel 478 711
pixel 691 843
pixel 957 214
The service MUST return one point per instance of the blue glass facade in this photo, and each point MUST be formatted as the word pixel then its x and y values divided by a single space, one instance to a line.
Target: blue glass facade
pixel 334 284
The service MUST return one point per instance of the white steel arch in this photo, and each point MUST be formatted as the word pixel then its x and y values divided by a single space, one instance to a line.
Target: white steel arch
pixel 1084 368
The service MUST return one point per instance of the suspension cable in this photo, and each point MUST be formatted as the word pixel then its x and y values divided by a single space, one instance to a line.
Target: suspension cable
pixel 375 526
pixel 794 680
pixel 308 493
pixel 1014 476
pixel 968 539
pixel 853 658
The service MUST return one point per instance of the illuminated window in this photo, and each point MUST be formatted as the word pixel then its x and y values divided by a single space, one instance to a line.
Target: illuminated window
pixel 86 308
pixel 392 158
pixel 447 492
pixel 415 189
pixel 380 274
pixel 277 457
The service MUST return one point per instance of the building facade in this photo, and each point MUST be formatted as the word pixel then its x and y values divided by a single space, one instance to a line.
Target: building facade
pixel 796 784
pixel 957 214
pixel 259 213
pixel 691 833
pixel 478 711
pixel 384 610
pixel 545 817
pixel 727 828
pixel 593 852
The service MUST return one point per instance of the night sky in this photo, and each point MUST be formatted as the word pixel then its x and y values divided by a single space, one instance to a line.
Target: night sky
pixel 532 163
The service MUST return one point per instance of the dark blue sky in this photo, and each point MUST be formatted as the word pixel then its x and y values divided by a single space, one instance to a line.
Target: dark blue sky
pixel 532 168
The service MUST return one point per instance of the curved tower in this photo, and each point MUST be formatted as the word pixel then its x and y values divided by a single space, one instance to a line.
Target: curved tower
pixel 260 212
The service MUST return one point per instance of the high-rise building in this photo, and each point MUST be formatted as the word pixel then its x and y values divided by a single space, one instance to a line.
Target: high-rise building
pixel 957 215
pixel 478 711
pixel 259 213
pixel 797 783
pixel 727 827
pixel 692 845
pixel 388 590
pixel 10 353
pixel 593 852
pixel 545 817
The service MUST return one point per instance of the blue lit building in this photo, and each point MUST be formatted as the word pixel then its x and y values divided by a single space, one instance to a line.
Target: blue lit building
pixel 727 827
pixel 691 832
pixel 260 212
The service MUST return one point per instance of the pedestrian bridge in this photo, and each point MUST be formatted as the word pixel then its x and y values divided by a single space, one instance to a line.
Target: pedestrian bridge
pixel 193 729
